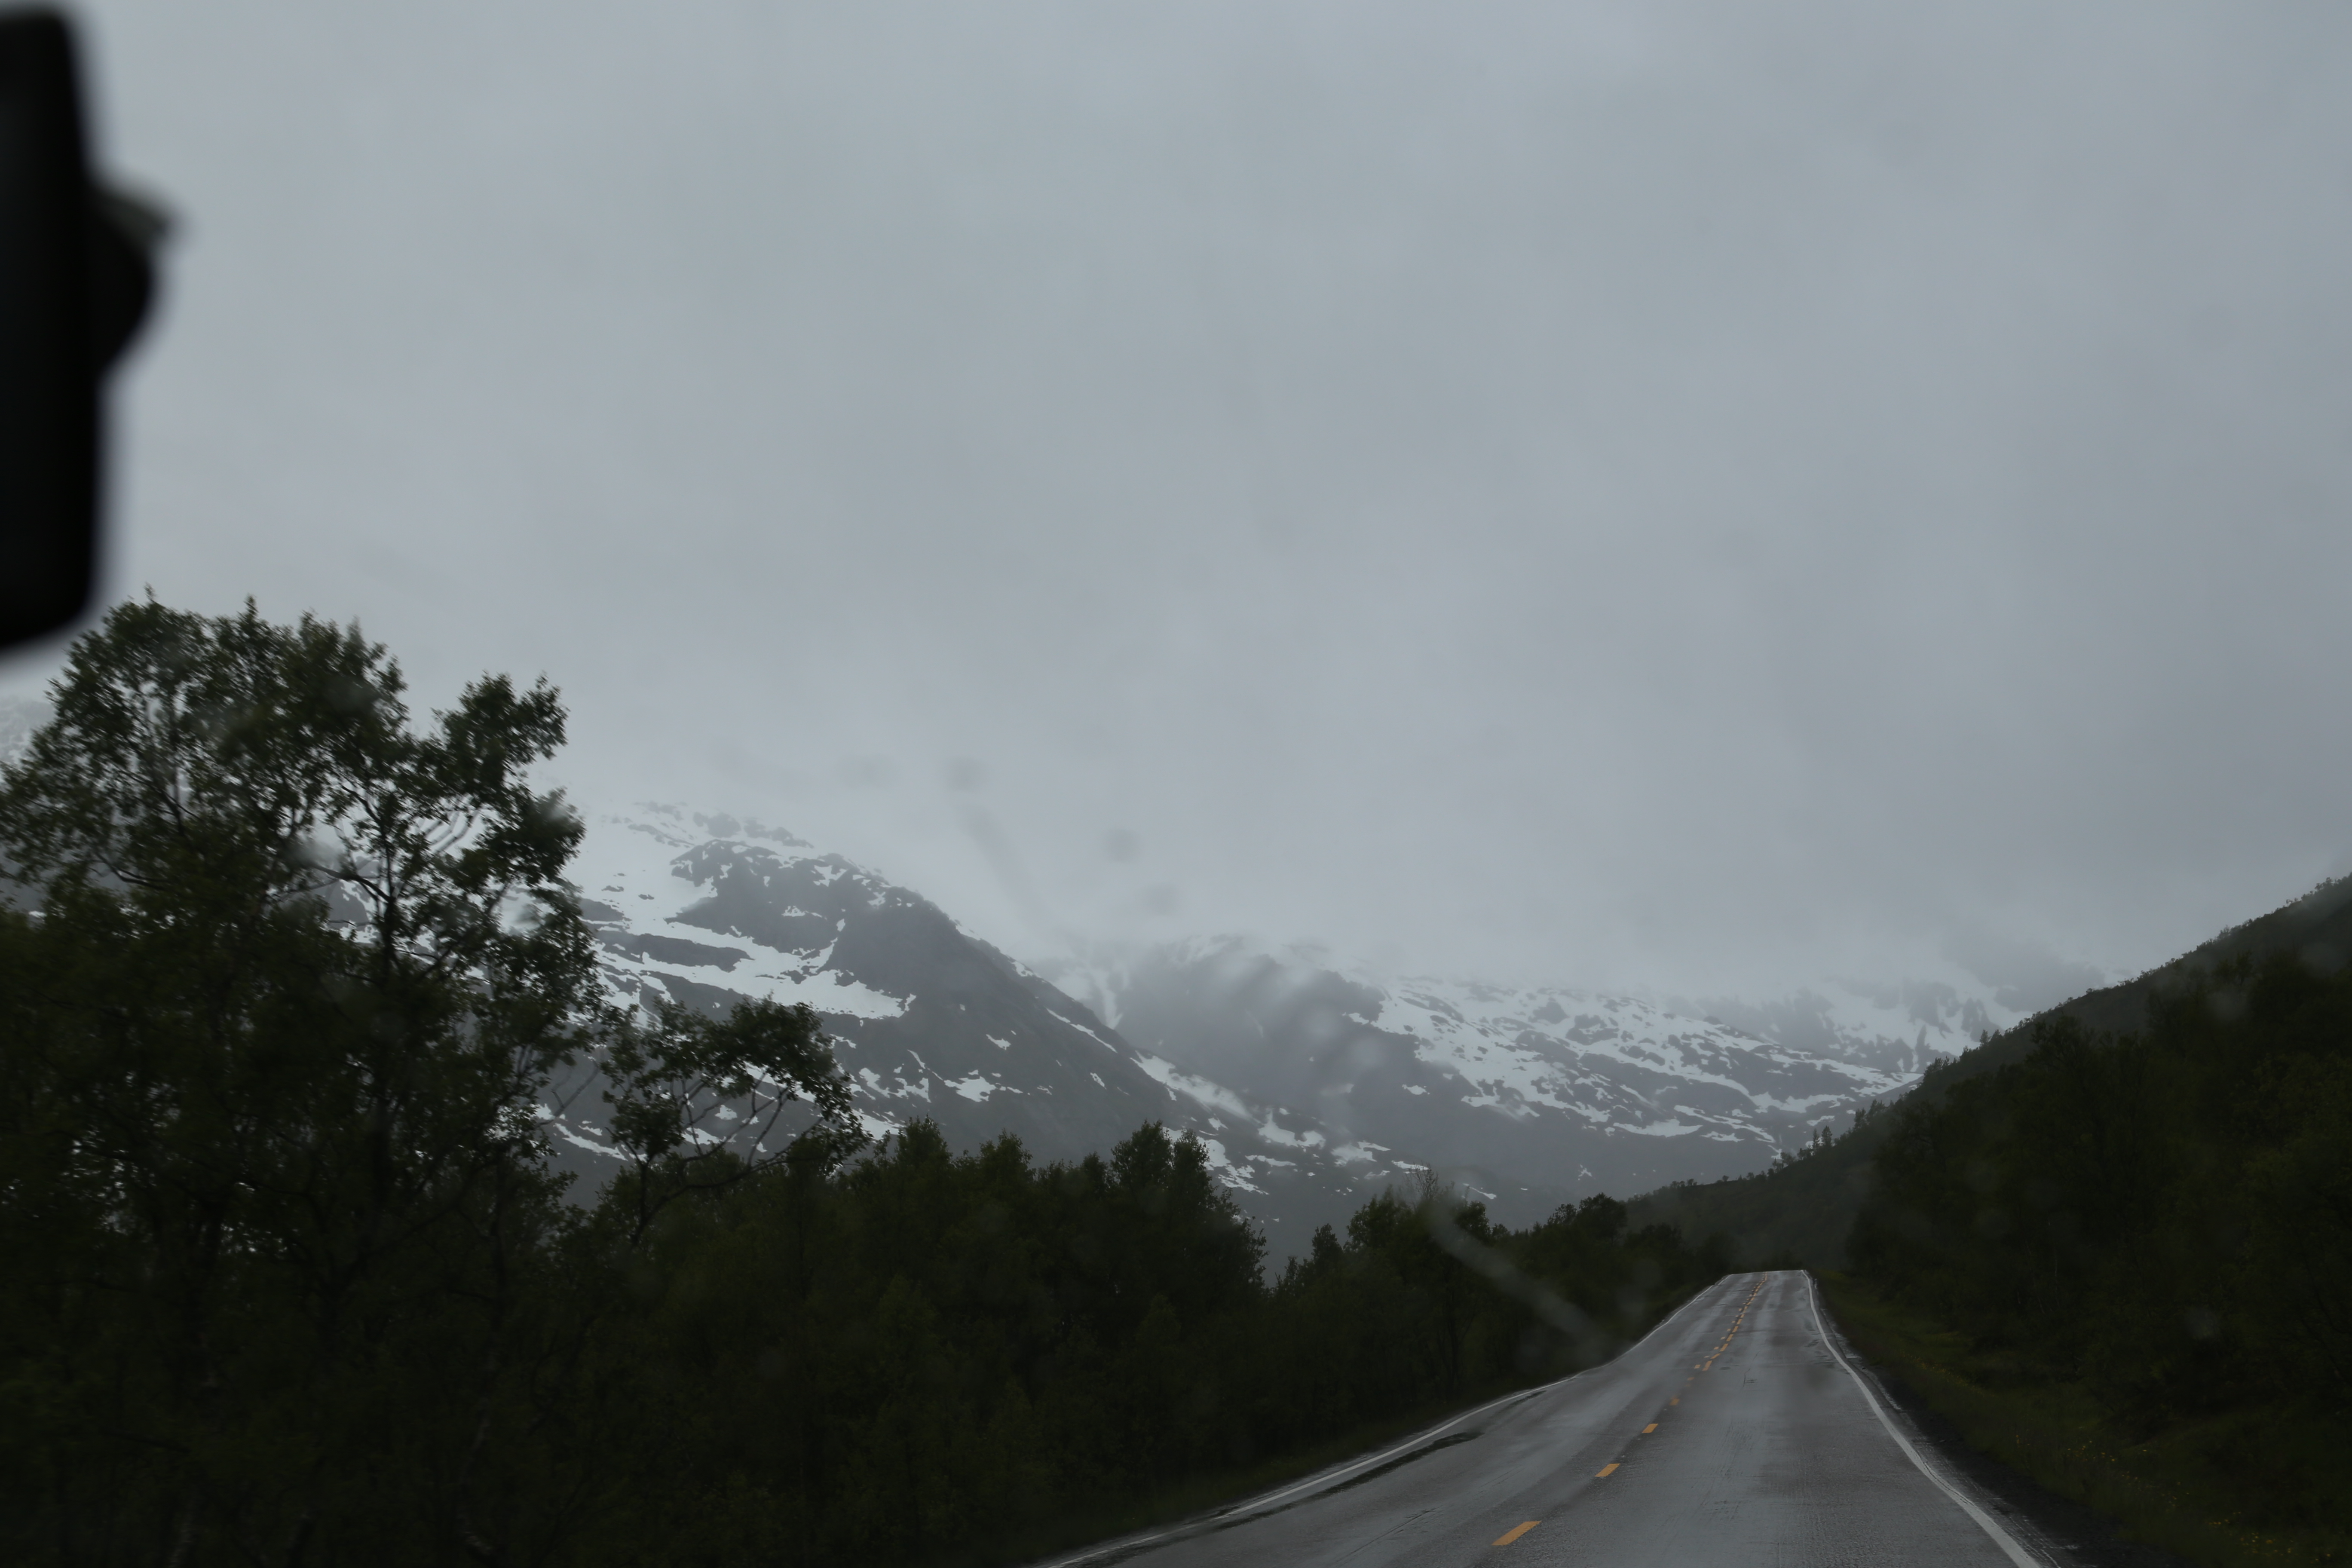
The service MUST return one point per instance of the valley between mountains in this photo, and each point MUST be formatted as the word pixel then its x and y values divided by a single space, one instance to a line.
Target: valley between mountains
pixel 1311 1089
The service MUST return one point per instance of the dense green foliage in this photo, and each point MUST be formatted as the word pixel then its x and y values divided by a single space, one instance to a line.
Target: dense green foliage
pixel 1802 1212
pixel 1797 1214
pixel 289 1277
pixel 924 1355
pixel 2162 1219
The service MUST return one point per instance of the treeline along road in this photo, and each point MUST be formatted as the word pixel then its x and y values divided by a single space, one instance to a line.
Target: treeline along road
pixel 285 980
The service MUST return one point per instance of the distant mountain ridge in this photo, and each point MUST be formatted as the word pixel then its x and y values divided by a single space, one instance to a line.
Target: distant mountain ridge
pixel 929 1021
pixel 1529 1096
pixel 1310 1088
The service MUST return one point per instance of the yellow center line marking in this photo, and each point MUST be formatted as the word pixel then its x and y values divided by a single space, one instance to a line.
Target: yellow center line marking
pixel 1650 1428
pixel 1677 1399
pixel 1604 1472
pixel 1510 1535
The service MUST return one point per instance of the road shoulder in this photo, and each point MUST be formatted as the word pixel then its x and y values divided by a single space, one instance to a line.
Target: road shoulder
pixel 2067 1532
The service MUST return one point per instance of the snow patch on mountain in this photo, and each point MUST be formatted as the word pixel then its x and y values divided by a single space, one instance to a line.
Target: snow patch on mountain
pixel 1572 1051
pixel 637 877
pixel 1537 1092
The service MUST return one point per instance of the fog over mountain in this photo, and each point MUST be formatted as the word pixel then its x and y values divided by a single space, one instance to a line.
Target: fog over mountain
pixel 1311 1086
pixel 1310 1089
pixel 1693 499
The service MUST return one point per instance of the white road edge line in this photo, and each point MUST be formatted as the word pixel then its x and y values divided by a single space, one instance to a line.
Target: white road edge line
pixel 1325 1478
pixel 2001 1537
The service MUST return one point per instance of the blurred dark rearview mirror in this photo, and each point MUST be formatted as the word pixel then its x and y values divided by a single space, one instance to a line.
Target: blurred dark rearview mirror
pixel 75 281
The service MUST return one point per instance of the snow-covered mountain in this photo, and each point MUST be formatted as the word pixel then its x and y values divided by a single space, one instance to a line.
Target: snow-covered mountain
pixel 1311 1088
pixel 1531 1095
pixel 929 1021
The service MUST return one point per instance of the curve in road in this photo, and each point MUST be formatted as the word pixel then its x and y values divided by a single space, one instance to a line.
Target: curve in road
pixel 1737 1431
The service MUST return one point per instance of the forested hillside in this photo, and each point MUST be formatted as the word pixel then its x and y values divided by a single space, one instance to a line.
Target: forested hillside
pixel 2167 1212
pixel 1802 1211
pixel 291 1278
pixel 2116 1242
pixel 2160 1221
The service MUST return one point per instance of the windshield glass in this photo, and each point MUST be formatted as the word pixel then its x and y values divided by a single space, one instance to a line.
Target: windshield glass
pixel 1349 633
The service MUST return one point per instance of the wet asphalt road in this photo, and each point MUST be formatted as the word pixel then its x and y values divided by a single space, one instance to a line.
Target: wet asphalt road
pixel 1739 1432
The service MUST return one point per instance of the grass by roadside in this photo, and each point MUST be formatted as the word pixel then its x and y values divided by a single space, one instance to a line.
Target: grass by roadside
pixel 2254 1486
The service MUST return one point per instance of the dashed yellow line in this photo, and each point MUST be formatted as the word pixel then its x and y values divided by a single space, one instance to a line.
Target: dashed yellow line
pixel 1604 1472
pixel 1510 1535
pixel 1650 1428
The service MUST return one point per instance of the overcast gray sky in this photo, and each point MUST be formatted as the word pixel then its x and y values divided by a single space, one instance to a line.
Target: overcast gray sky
pixel 1607 492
